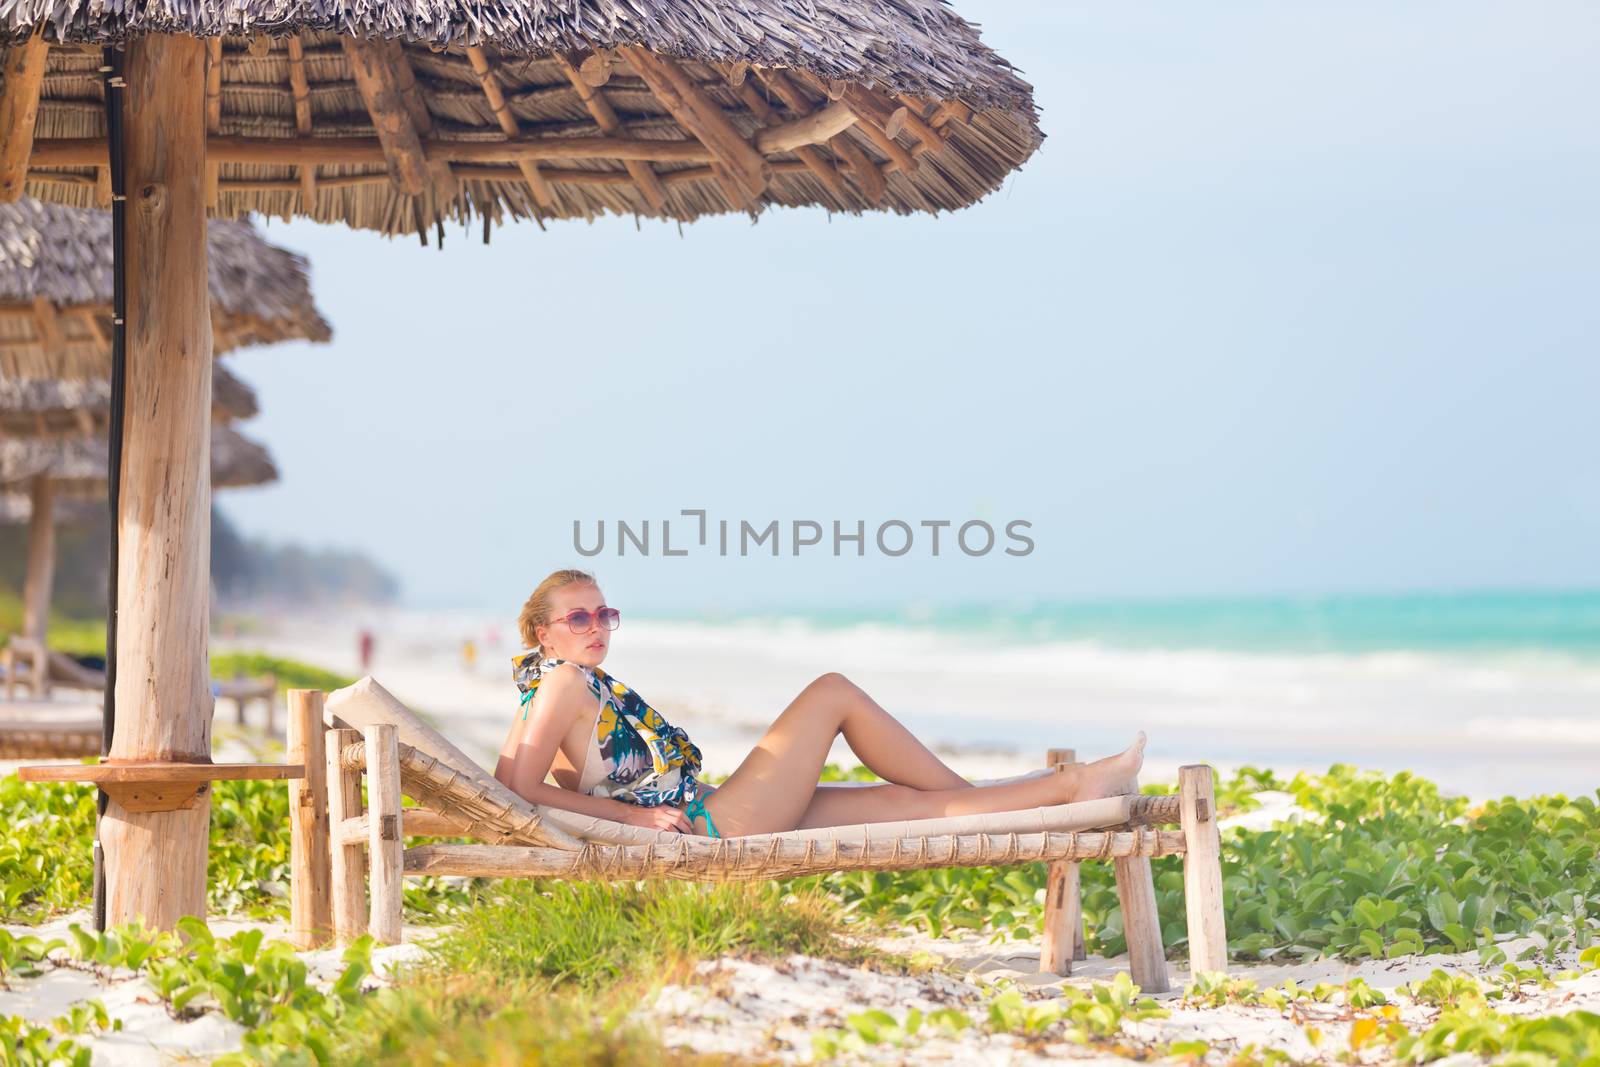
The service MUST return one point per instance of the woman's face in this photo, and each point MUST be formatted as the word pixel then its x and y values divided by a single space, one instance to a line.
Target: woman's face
pixel 556 637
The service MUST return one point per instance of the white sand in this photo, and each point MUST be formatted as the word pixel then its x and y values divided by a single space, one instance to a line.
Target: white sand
pixel 771 1010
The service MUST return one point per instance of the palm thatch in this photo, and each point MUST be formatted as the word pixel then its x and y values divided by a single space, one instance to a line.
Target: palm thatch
pixel 58 409
pixel 395 117
pixel 77 467
pixel 55 292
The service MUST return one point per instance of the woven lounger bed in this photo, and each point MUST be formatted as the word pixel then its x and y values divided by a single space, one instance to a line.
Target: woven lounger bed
pixel 362 729
pixel 48 729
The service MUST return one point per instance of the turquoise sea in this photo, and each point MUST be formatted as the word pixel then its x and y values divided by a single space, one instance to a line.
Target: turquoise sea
pixel 1467 623
pixel 1487 692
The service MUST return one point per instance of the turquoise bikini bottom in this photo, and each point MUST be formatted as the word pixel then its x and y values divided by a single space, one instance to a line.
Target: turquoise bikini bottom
pixel 696 809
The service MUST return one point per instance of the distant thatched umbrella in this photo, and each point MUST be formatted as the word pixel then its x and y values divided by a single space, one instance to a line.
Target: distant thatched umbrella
pixel 56 289
pixel 395 116
pixel 67 409
pixel 77 467
pixel 44 474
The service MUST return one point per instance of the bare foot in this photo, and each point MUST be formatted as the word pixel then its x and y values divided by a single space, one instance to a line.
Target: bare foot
pixel 1111 776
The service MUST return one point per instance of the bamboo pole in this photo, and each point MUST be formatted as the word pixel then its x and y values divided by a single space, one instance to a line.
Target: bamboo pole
pixel 1202 871
pixel 351 151
pixel 1141 923
pixel 300 88
pixel 23 68
pixel 310 904
pixel 705 859
pixel 1063 906
pixel 702 117
pixel 385 845
pixel 606 118
pixel 155 862
pixel 543 195
pixel 348 859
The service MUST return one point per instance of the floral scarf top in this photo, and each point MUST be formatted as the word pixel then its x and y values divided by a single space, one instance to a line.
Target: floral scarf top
pixel 648 761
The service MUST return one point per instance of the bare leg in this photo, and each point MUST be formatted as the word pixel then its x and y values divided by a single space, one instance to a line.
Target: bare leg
pixel 775 787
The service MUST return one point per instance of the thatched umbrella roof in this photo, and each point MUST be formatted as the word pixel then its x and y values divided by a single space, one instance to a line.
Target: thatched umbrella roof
pixel 55 291
pixel 47 408
pixel 517 107
pixel 78 467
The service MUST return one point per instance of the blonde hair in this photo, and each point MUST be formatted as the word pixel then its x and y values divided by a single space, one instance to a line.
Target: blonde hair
pixel 536 610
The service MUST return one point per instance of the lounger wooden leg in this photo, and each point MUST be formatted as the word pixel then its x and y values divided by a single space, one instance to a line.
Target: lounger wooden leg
pixel 386 848
pixel 348 866
pixel 310 914
pixel 1202 871
pixel 1141 923
pixel 1062 939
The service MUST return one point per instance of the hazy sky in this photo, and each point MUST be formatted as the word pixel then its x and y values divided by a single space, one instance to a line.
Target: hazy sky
pixel 1295 297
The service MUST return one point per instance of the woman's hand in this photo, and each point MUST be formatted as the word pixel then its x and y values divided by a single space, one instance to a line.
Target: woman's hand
pixel 662 817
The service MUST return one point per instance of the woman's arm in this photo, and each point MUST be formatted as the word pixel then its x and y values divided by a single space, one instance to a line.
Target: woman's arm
pixel 562 698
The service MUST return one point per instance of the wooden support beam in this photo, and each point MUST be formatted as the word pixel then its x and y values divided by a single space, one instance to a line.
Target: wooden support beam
pixel 643 175
pixel 1202 871
pixel 702 117
pixel 40 574
pixel 543 195
pixel 348 860
pixel 818 164
pixel 1063 903
pixel 705 859
pixel 414 822
pixel 866 172
pixel 868 175
pixel 351 151
pixel 388 85
pixel 158 786
pixel 819 126
pixel 874 113
pixel 47 321
pixel 213 114
pixel 599 67
pixel 385 844
pixel 155 861
pixel 310 883
pixel 300 88
pixel 931 139
pixel 1141 923
pixel 948 112
pixel 24 65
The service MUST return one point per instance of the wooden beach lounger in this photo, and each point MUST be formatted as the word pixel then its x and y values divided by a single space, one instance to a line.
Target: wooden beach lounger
pixel 48 729
pixel 28 662
pixel 362 729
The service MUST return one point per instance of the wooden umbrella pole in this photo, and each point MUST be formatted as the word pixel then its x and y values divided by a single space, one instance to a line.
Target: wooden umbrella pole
pixel 155 861
pixel 41 568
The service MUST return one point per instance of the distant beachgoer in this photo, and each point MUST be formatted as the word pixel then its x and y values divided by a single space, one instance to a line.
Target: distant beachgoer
pixel 469 654
pixel 364 643
pixel 615 757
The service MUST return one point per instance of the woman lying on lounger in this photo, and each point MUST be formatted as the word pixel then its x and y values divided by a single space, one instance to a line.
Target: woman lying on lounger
pixel 615 757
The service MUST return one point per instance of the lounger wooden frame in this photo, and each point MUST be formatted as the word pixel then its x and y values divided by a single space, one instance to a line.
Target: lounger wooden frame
pixel 342 845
